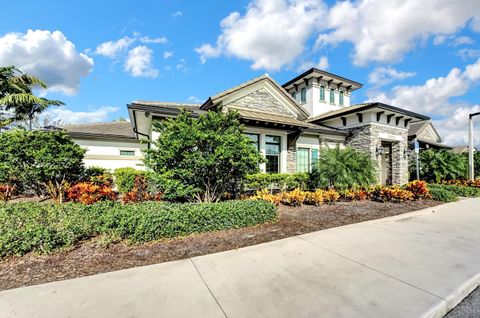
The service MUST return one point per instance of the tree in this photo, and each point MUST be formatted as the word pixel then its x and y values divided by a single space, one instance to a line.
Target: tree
pixel 440 165
pixel 201 158
pixel 343 169
pixel 16 96
pixel 33 159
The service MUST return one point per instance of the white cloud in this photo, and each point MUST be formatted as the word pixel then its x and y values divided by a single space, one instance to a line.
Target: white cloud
pixel 177 14
pixel 194 99
pixel 434 98
pixel 159 40
pixel 181 65
pixel 453 40
pixel 167 54
pixel 48 55
pixel 384 75
pixel 384 31
pixel 112 49
pixel 68 116
pixel 453 128
pixel 139 62
pixel 271 34
pixel 322 64
pixel 469 53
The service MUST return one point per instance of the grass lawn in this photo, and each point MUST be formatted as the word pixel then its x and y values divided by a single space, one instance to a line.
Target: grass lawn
pixel 96 256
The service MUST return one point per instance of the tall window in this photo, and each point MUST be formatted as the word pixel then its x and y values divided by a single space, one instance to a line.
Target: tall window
pixel 314 160
pixel 255 140
pixel 332 96
pixel 272 153
pixel 341 98
pixel 322 93
pixel 293 94
pixel 303 95
pixel 303 159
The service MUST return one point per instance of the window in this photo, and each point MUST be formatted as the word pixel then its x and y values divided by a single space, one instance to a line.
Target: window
pixel 341 98
pixel 314 158
pixel 322 93
pixel 332 96
pixel 293 94
pixel 272 153
pixel 255 140
pixel 303 159
pixel 306 159
pixel 303 95
pixel 127 152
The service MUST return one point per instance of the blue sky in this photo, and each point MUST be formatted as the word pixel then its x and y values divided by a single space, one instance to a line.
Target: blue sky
pixel 184 51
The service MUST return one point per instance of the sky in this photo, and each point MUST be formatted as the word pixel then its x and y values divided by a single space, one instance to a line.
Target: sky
pixel 97 56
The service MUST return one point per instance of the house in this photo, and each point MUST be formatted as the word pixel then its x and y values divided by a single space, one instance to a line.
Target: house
pixel 290 124
pixel 426 135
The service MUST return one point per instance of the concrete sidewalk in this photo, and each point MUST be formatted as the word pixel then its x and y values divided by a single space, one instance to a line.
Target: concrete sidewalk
pixel 418 264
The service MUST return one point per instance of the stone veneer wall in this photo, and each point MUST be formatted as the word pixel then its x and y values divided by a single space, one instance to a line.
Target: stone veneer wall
pixel 368 137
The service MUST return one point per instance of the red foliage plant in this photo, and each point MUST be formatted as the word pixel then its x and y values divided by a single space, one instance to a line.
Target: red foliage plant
pixel 140 192
pixel 89 193
pixel 6 192
pixel 419 189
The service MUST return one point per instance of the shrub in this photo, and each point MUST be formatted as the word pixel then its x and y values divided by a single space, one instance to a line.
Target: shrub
pixel 331 196
pixel 140 192
pixel 267 196
pixel 294 198
pixel 342 169
pixel 419 189
pixel 461 191
pixel 43 228
pixel 439 165
pixel 125 178
pixel 30 159
pixel 353 195
pixel 468 183
pixel 441 194
pixel 6 192
pixel 390 194
pixel 202 158
pixel 315 198
pixel 282 181
pixel 89 193
pixel 98 176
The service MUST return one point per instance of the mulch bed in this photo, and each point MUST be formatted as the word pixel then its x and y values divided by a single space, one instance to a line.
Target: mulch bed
pixel 93 257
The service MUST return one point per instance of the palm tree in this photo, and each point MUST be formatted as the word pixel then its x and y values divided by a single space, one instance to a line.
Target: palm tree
pixel 16 95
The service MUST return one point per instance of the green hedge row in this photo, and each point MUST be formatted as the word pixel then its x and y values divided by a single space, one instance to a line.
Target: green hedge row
pixel 448 193
pixel 283 181
pixel 43 228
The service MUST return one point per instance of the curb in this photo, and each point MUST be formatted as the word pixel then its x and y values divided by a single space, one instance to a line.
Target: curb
pixel 455 298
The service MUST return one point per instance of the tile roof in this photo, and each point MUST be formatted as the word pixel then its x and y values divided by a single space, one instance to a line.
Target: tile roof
pixel 122 129
pixel 416 127
pixel 167 104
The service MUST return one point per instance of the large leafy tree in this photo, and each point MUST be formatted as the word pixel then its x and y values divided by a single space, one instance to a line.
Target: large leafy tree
pixel 343 169
pixel 201 158
pixel 32 159
pixel 17 98
pixel 440 165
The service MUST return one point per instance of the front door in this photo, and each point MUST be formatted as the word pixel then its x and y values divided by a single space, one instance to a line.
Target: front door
pixel 386 163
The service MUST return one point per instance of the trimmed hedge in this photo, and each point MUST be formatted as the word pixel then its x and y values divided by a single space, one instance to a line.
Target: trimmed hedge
pixel 283 181
pixel 125 178
pixel 43 228
pixel 441 194
pixel 461 191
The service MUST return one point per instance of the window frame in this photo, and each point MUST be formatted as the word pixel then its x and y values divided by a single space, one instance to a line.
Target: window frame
pixel 310 159
pixel 322 93
pixel 340 98
pixel 332 96
pixel 258 138
pixel 278 156
pixel 303 95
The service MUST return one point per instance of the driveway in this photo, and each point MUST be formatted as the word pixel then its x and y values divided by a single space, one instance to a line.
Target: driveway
pixel 418 264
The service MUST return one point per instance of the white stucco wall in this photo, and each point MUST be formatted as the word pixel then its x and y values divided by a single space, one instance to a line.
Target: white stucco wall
pixel 106 153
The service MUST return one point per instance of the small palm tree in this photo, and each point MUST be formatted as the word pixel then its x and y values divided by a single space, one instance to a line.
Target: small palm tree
pixel 16 95
pixel 343 169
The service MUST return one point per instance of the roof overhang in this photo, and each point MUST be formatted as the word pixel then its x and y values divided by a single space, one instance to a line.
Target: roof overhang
pixel 365 107
pixel 319 75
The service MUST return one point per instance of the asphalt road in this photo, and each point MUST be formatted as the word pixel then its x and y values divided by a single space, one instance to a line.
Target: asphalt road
pixel 468 308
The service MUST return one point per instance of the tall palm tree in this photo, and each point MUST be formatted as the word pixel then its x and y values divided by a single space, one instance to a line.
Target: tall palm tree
pixel 16 95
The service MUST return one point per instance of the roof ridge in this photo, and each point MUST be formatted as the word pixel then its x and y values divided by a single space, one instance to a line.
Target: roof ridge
pixel 139 101
pixel 96 123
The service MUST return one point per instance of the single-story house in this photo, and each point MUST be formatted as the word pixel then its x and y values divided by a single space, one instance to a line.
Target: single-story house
pixel 289 123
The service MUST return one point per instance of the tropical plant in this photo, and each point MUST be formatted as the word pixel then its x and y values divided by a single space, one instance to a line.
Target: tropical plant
pixel 440 165
pixel 16 95
pixel 89 193
pixel 201 158
pixel 294 198
pixel 342 169
pixel 419 189
pixel 31 159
